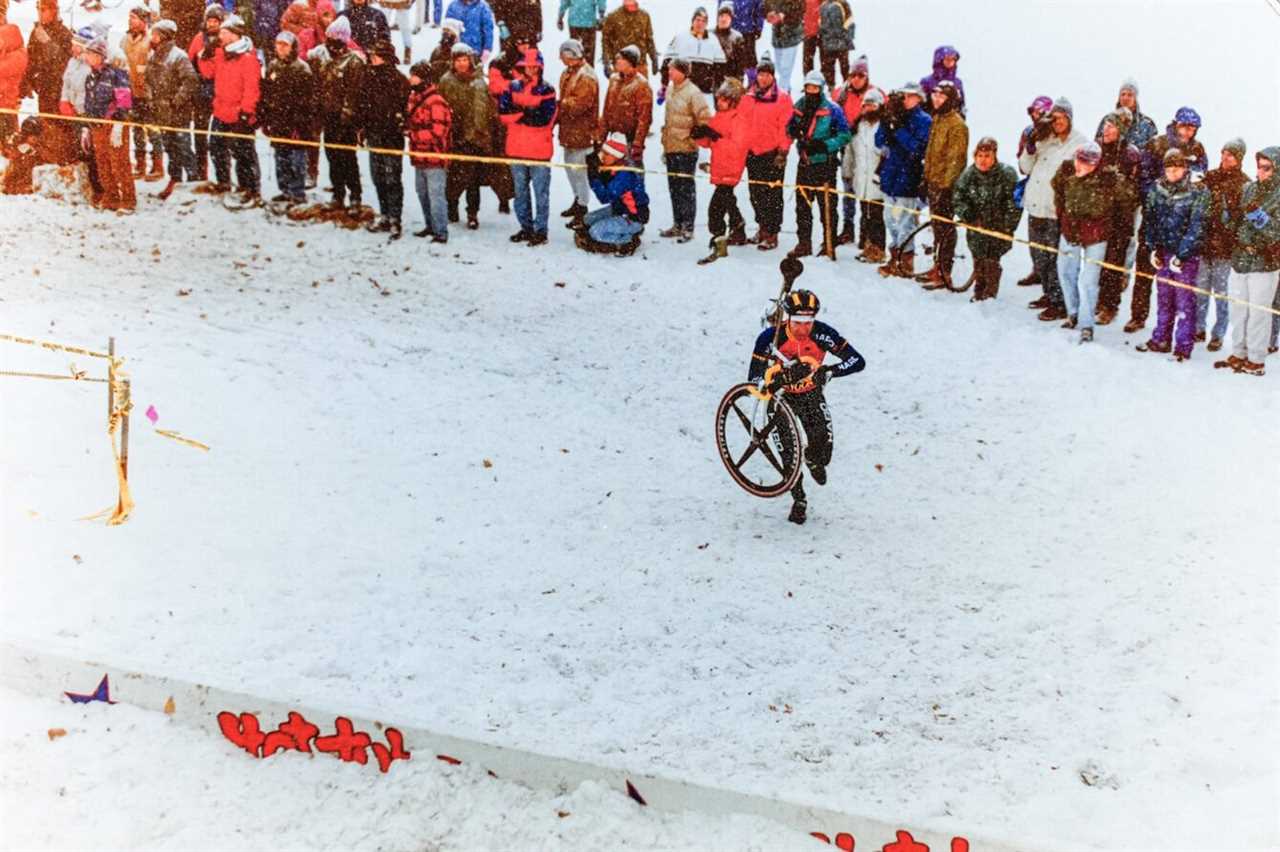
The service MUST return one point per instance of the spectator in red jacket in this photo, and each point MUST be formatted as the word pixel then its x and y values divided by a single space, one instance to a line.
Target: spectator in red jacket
pixel 727 137
pixel 13 65
pixel 236 75
pixel 767 109
pixel 528 109
pixel 429 126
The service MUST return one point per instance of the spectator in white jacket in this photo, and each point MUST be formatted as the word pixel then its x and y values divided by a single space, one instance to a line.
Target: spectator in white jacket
pixel 1052 142
pixel 701 49
pixel 858 171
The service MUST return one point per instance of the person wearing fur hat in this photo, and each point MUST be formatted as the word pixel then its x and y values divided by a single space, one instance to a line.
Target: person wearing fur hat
pixel 702 51
pixel 578 118
pixel 136 46
pixel 1123 158
pixel 340 85
pixel 1255 267
pixel 616 227
pixel 726 135
pixel 237 77
pixel 944 160
pixel 1173 227
pixel 585 18
pixel 172 82
pixel 732 44
pixel 442 56
pixel 903 135
pixel 383 101
pixel 1179 135
pixel 109 95
pixel 528 109
pixel 288 99
pixel 1056 141
pixel 859 169
pixel 629 25
pixel 768 111
pixel 835 39
pixel 429 126
pixel 685 108
pixel 204 48
pixel 1141 128
pixel 628 102
pixel 819 130
pixel 1226 192
pixel 983 197
pixel 1087 199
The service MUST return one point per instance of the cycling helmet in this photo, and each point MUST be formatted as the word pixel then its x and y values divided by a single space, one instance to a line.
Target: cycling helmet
pixel 802 303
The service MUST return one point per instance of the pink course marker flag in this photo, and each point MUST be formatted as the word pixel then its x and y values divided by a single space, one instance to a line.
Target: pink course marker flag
pixel 151 414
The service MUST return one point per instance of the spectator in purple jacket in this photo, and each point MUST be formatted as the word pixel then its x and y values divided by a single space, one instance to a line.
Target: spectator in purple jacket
pixel 748 19
pixel 945 60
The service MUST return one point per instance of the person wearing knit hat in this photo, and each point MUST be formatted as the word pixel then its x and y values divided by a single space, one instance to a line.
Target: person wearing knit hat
pixel 382 94
pixel 903 135
pixel 340 90
pixel 1141 128
pixel 1173 227
pixel 172 82
pixel 288 98
pixel 585 17
pixel 850 96
pixel 945 158
pixel 1255 269
pixel 528 109
pixel 136 46
pixel 702 50
pixel 1057 141
pixel 768 109
pixel 723 133
pixel 1089 199
pixel 1126 161
pixel 237 81
pixel 577 119
pixel 984 196
pixel 442 54
pixel 108 95
pixel 819 130
pixel 616 227
pixel 204 49
pixel 1225 185
pixel 732 44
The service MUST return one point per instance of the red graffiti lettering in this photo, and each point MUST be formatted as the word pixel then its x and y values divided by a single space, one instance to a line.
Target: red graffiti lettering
pixel 242 730
pixel 905 843
pixel 385 755
pixel 345 743
pixel 294 734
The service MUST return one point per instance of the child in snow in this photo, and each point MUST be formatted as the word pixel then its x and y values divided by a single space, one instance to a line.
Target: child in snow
pixel 725 135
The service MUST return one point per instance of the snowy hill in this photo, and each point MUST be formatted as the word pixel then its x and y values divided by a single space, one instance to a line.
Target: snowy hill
pixel 476 489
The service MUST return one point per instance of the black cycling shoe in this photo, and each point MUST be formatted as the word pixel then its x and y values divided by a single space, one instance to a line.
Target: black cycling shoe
pixel 797 515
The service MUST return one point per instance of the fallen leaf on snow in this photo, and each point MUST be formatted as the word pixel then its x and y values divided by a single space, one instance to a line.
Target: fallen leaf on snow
pixel 560 284
pixel 54 733
pixel 488 463
pixel 75 557
pixel 562 814
pixel 184 292
pixel 704 545
pixel 879 468
pixel 169 706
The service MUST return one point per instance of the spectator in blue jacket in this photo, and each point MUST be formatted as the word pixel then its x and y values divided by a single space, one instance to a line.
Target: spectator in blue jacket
pixel 585 18
pixel 903 136
pixel 1142 129
pixel 617 226
pixel 368 25
pixel 1173 226
pixel 266 21
pixel 477 26
pixel 748 19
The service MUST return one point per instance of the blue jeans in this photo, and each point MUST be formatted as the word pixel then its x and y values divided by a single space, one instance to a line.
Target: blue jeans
pixel 605 226
pixel 784 61
pixel 291 171
pixel 1213 276
pixel 222 149
pixel 1079 280
pixel 683 191
pixel 539 178
pixel 900 220
pixel 430 185
pixel 1047 233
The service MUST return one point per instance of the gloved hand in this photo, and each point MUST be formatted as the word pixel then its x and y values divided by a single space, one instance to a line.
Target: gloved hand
pixel 211 48
pixel 780 159
pixel 1175 265
pixel 593 166
pixel 703 131
pixel 636 152
pixel 821 376
pixel 1155 259
pixel 662 95
pixel 1029 139
pixel 117 135
pixel 796 371
pixel 815 146
pixel 1257 218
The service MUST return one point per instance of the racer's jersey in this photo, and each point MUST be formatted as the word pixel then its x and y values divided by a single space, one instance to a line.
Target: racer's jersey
pixel 809 350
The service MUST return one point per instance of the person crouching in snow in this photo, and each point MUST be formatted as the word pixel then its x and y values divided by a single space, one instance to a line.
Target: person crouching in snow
pixel 1087 199
pixel 288 95
pixel 726 136
pixel 1173 225
pixel 984 197
pixel 384 98
pixel 22 150
pixel 616 227
pixel 1255 267
pixel 528 108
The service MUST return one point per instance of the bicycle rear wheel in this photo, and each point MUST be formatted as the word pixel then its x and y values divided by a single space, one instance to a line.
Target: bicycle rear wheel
pixel 759 442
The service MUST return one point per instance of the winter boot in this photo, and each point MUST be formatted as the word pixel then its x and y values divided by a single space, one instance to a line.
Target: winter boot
pixel 1233 362
pixel 890 269
pixel 755 238
pixel 738 236
pixel 164 194
pixel 140 165
pixel 768 241
pixel 871 254
pixel 803 249
pixel 573 211
pixel 719 248
pixel 1214 344
pixel 1154 346
pixel 846 236
pixel 1134 325
pixel 578 222
pixel 685 235
pixel 157 167
pixel 408 56
pixel 521 236
pixel 672 232
pixel 1031 280
pixel 1104 316
pixel 934 279
pixel 907 264
pixel 537 238
pixel 379 225
pixel 1252 368
pixel 394 229
pixel 504 206
pixel 1052 313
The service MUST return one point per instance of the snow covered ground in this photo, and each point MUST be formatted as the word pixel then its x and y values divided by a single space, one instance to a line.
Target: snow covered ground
pixel 1037 601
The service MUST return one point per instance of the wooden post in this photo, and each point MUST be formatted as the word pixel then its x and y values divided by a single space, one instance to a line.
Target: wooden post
pixel 124 433
pixel 111 378
pixel 826 221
